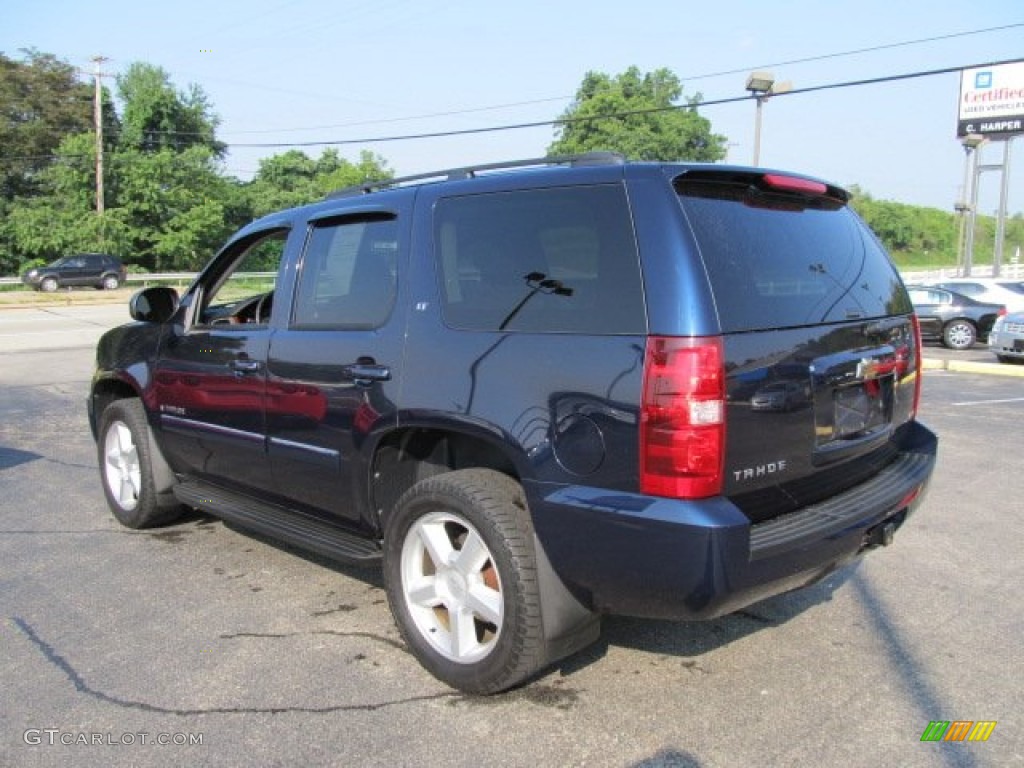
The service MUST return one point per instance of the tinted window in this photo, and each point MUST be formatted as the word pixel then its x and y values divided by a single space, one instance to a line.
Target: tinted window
pixel 544 260
pixel 348 274
pixel 974 290
pixel 781 259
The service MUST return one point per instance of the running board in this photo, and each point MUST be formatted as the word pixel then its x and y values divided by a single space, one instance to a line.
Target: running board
pixel 298 528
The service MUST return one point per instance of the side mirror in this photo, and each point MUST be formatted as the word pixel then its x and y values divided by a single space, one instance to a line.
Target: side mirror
pixel 155 304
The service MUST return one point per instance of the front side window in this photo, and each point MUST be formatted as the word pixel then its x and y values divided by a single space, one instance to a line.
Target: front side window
pixel 545 260
pixel 242 292
pixel 348 278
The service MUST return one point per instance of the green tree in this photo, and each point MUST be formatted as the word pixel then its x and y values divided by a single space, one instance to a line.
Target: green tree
pixel 41 102
pixel 61 217
pixel 636 114
pixel 293 178
pixel 157 116
pixel 176 204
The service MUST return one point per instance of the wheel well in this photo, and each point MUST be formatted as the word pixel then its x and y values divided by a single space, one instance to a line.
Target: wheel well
pixel 404 458
pixel 104 393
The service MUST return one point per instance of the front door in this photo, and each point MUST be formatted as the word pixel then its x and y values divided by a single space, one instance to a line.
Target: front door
pixel 209 383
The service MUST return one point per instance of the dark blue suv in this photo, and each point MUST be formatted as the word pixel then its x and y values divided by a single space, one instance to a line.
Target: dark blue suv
pixel 534 392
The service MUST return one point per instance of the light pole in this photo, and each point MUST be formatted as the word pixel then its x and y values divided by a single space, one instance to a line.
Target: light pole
pixel 762 85
pixel 970 143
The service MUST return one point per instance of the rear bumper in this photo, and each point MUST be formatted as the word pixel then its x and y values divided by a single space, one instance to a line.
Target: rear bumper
pixel 636 555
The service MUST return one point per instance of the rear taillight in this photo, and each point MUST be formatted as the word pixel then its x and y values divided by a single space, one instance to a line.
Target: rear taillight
pixel 682 418
pixel 917 364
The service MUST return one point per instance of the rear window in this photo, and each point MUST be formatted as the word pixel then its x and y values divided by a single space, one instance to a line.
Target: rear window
pixel 540 260
pixel 778 258
pixel 1015 287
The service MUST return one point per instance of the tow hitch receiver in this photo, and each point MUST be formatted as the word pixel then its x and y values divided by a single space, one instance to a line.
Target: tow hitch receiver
pixel 881 535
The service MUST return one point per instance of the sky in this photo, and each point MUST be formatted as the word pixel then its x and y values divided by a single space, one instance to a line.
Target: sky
pixel 284 71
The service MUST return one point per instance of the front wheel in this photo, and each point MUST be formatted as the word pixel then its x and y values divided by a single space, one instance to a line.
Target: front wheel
pixel 48 285
pixel 126 467
pixel 110 283
pixel 959 334
pixel 461 576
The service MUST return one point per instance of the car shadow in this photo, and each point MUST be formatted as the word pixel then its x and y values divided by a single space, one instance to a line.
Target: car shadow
pixel 682 639
pixel 693 639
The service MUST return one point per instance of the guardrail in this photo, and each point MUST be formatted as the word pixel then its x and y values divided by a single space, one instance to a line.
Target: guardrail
pixel 162 277
pixel 1008 272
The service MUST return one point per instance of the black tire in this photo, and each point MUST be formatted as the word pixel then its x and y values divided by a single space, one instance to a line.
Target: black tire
pixel 110 283
pixel 460 511
pixel 48 285
pixel 126 468
pixel 959 334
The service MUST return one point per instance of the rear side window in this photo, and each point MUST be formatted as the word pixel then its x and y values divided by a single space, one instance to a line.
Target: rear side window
pixel 543 260
pixel 347 278
pixel 781 258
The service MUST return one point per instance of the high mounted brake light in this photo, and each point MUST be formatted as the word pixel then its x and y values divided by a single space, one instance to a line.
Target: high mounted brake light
pixel 682 420
pixel 794 184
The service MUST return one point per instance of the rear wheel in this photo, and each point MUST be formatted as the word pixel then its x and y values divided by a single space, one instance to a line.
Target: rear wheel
pixel 461 578
pixel 959 334
pixel 126 467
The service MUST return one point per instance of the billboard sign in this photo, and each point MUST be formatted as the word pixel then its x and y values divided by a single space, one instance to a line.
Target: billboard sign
pixel 992 100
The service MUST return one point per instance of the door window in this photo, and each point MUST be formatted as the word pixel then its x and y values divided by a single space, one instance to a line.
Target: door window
pixel 242 291
pixel 348 278
pixel 542 260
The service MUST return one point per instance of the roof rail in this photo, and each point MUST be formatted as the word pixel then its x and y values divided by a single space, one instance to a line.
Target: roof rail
pixel 469 172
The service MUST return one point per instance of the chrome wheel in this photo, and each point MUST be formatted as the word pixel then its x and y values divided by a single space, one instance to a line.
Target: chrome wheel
pixel 959 334
pixel 110 283
pixel 451 587
pixel 122 469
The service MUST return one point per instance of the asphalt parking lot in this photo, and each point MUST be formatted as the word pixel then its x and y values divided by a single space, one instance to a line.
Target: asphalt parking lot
pixel 203 644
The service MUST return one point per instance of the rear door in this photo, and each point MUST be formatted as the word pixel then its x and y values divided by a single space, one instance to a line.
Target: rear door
pixel 929 303
pixel 807 299
pixel 75 271
pixel 333 371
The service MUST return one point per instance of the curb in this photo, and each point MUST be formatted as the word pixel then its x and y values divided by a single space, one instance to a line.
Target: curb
pixel 963 366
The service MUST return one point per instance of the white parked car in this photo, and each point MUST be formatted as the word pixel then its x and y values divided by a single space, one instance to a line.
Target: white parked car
pixel 1007 337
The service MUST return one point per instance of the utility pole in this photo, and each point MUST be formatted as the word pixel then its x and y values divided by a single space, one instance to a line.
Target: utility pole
pixel 97 111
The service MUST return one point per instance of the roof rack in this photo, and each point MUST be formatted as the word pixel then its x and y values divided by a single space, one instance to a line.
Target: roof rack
pixel 469 172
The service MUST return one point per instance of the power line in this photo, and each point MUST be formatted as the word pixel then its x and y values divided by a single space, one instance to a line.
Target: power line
pixel 705 76
pixel 531 102
pixel 616 115
pixel 570 121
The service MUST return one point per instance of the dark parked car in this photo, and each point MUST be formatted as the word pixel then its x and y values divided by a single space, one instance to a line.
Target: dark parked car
pixel 526 389
pixel 96 270
pixel 956 320
pixel 992 290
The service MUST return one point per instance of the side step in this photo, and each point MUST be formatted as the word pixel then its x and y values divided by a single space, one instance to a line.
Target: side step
pixel 298 528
